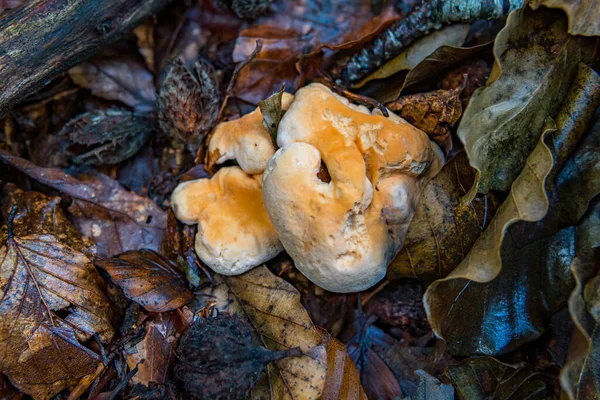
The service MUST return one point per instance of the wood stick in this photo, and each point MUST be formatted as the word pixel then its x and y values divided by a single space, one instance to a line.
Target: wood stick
pixel 46 37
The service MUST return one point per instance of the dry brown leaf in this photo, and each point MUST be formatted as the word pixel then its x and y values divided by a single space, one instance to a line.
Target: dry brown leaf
pixel 444 228
pixel 149 279
pixel 144 34
pixel 343 378
pixel 272 306
pixel 51 300
pixel 120 78
pixel 152 356
pixel 434 112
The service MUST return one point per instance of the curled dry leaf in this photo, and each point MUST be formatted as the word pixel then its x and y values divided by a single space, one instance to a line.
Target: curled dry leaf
pixel 434 112
pixel 482 378
pixel 444 227
pixel 51 301
pixel 450 35
pixel 120 78
pixel 149 279
pixel 531 78
pixel 187 105
pixel 108 136
pixel 583 15
pixel 273 309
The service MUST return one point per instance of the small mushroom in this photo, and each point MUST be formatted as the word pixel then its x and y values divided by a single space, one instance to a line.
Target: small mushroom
pixel 235 233
pixel 342 233
pixel 245 140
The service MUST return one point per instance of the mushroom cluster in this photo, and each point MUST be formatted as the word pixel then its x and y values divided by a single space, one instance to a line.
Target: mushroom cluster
pixel 342 228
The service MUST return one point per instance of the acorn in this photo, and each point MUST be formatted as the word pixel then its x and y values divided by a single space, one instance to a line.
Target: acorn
pixel 220 358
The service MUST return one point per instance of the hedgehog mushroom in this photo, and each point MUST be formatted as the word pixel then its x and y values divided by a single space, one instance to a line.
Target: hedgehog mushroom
pixel 343 233
pixel 235 233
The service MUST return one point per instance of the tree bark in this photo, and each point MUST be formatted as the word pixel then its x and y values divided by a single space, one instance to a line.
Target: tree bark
pixel 46 37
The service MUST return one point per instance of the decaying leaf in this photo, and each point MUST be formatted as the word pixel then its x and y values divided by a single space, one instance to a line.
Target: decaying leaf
pixel 444 228
pixel 149 279
pixel 117 220
pixel 583 15
pixel 483 378
pixel 451 35
pixel 188 104
pixel 434 112
pixel 220 357
pixel 51 301
pixel 537 61
pixel 107 136
pixel 270 108
pixel 272 306
pixel 120 78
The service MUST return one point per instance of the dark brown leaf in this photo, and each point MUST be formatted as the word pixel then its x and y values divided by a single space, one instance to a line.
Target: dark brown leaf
pixel 51 300
pixel 107 136
pixel 434 112
pixel 120 78
pixel 148 279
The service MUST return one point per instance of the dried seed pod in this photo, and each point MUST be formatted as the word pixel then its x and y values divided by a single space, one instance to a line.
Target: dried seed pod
pixel 220 358
pixel 107 136
pixel 247 8
pixel 187 104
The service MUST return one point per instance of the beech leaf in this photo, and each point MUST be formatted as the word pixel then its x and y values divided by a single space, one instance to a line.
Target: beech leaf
pixel 536 63
pixel 51 301
pixel 149 279
pixel 272 307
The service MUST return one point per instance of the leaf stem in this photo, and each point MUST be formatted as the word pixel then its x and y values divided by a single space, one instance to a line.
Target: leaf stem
pixel 9 224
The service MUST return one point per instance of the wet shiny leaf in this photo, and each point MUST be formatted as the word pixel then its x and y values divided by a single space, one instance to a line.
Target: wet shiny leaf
pixel 530 80
pixel 148 279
